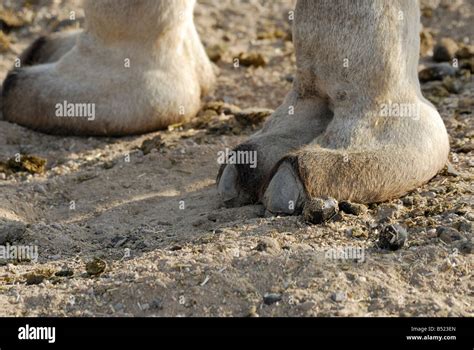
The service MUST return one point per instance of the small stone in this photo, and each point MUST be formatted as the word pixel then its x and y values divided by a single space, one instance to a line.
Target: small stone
pixel 65 273
pixel 216 52
pixel 466 227
pixel 30 164
pixel 387 212
pixel 426 42
pixel 252 59
pixel 465 52
pixel 119 307
pixel 352 208
pixel 306 306
pixel 465 247
pixel 272 298
pixel 437 72
pixel 408 201
pixel 156 304
pixel 446 50
pixel 145 307
pixel 118 241
pixel 466 104
pixel 109 164
pixel 357 232
pixel 450 170
pixel 269 245
pixel 339 297
pixel 318 211
pixel 96 267
pixel 435 91
pixel 32 278
pixel 40 189
pixel 468 65
pixel 452 85
pixel 12 232
pixel 428 194
pixel 432 233
pixel 151 144
pixel 252 312
pixel 448 234
pixel 3 176
pixel 393 237
pixel 10 20
pixel 252 116
pixel 289 78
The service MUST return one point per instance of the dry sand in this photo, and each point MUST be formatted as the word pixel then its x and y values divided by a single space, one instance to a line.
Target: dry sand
pixel 170 246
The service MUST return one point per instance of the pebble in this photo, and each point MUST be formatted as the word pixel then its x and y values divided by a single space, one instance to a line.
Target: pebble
pixel 318 211
pixel 393 237
pixel 445 50
pixel 252 59
pixel 65 273
pixel 216 52
pixel 149 145
pixel 3 176
pixel 253 312
pixel 465 52
pixel 388 212
pixel 426 42
pixel 466 226
pixel 40 189
pixel 465 247
pixel 253 116
pixel 339 297
pixel 437 72
pixel 272 298
pixel 156 304
pixel 358 232
pixel 306 306
pixel 352 208
pixel 11 232
pixel 448 234
pixel 432 233
pixel 450 170
pixel 269 245
pixel 96 267
pixel 32 279
pixel 452 85
pixel 408 201
pixel 118 307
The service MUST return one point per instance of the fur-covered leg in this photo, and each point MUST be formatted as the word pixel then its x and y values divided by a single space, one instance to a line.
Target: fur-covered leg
pixel 138 66
pixel 385 139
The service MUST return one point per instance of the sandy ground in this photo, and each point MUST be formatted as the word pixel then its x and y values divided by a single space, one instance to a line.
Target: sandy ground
pixel 172 249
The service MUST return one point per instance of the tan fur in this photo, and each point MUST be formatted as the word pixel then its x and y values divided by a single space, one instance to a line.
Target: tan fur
pixel 363 156
pixel 329 137
pixel 356 56
pixel 169 72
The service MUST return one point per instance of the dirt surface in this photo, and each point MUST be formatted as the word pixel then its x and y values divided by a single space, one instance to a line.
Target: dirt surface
pixel 172 249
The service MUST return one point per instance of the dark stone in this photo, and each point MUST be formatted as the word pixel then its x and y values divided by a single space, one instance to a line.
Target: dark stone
pixel 272 298
pixel 64 273
pixel 352 208
pixel 393 237
pixel 445 50
pixel 318 211
pixel 12 232
pixel 448 234
pixel 437 72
